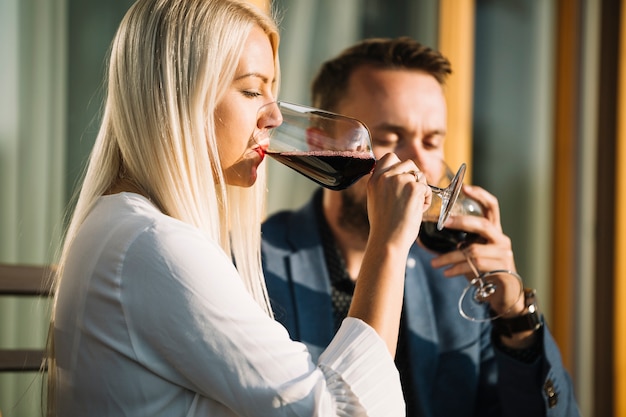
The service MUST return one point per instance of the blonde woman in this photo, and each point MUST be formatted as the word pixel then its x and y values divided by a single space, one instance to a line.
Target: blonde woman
pixel 151 316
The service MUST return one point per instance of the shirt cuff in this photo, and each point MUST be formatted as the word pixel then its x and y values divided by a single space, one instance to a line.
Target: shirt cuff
pixel 358 367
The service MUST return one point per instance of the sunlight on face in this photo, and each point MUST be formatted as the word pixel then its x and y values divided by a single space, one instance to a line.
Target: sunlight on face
pixel 406 113
pixel 236 115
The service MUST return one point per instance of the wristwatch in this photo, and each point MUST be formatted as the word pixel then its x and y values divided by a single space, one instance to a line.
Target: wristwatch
pixel 530 320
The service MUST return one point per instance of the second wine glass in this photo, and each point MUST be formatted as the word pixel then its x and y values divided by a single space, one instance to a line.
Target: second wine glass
pixel 332 149
pixel 483 287
pixel 443 240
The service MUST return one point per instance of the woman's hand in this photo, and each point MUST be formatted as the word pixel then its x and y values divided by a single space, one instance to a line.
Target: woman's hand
pixel 397 196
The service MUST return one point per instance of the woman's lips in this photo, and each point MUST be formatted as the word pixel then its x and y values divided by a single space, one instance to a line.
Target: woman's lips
pixel 259 150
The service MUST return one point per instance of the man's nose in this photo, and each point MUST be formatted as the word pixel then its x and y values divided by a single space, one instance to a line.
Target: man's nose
pixel 411 149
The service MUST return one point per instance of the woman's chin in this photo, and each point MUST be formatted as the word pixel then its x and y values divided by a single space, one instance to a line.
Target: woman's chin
pixel 242 174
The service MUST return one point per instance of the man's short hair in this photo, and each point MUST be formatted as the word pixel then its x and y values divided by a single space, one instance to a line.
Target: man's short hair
pixel 331 82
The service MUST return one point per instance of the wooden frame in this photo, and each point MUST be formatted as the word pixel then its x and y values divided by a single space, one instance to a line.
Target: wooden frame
pixel 567 94
pixel 456 42
pixel 24 280
pixel 619 325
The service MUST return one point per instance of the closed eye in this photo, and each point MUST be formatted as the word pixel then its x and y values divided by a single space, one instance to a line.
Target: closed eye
pixel 433 141
pixel 251 94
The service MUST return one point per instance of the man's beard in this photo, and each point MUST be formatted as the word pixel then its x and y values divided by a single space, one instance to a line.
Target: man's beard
pixel 353 215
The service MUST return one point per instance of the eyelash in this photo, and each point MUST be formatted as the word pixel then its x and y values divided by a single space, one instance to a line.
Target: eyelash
pixel 251 94
pixel 428 143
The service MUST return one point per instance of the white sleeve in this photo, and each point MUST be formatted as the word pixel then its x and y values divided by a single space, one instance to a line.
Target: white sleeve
pixel 191 321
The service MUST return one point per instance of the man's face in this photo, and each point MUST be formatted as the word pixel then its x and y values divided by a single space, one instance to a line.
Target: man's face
pixel 405 111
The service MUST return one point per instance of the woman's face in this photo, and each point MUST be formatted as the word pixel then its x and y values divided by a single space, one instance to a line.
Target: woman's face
pixel 236 118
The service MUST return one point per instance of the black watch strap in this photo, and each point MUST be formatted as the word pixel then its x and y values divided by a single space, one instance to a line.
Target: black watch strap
pixel 530 320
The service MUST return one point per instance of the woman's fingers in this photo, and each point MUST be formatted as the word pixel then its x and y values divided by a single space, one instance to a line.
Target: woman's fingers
pixel 397 196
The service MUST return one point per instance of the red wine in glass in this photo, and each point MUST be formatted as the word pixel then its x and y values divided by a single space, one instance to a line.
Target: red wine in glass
pixel 446 240
pixel 331 149
pixel 335 170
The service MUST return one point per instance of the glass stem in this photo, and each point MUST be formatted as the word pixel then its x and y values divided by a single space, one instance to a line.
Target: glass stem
pixel 444 196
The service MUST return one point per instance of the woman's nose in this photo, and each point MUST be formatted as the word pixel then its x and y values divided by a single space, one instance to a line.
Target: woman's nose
pixel 269 116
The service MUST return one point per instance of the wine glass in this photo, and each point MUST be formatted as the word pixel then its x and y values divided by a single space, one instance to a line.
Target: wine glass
pixel 443 240
pixel 483 286
pixel 331 149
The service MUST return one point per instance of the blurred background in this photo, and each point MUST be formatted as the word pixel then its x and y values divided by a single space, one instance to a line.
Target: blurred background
pixel 536 108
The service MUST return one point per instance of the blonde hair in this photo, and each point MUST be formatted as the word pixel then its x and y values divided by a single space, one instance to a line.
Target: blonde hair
pixel 171 62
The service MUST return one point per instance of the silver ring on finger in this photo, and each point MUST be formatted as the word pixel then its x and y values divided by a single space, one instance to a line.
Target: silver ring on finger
pixel 416 174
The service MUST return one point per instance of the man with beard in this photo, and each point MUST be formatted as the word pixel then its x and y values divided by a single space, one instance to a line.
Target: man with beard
pixel 448 365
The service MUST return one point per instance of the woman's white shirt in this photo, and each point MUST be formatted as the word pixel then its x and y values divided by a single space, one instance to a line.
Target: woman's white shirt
pixel 153 320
